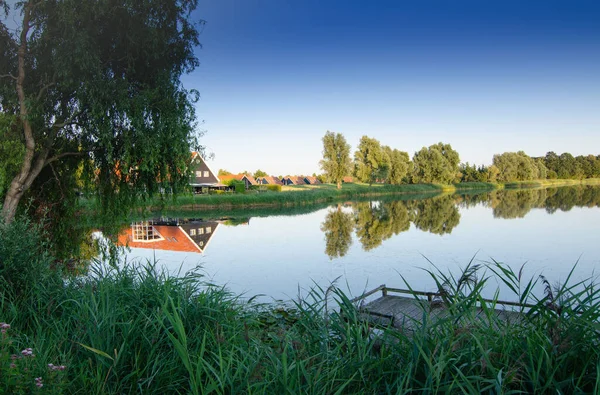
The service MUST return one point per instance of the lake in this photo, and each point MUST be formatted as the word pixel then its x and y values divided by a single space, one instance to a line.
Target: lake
pixel 361 245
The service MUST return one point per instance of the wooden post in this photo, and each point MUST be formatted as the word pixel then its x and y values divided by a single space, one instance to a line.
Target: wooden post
pixel 384 291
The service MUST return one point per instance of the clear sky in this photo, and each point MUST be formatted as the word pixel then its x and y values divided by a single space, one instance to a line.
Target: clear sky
pixel 485 76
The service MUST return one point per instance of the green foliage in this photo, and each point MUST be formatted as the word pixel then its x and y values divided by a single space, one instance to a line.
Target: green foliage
pixel 336 158
pixel 438 215
pixel 239 186
pixel 518 166
pixel 137 329
pixel 12 150
pixel 260 173
pixel 399 165
pixel 104 79
pixel 370 161
pixel 436 164
pixel 566 166
pixel 273 187
pixel 25 263
pixel 338 227
pixel 223 172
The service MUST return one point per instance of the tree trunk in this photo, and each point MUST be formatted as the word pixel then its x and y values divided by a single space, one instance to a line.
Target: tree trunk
pixel 339 185
pixel 24 179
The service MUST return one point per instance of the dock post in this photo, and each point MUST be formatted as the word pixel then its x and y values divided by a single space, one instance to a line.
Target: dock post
pixel 384 291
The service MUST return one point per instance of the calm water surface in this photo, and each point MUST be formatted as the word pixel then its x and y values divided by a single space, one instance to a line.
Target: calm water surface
pixel 361 245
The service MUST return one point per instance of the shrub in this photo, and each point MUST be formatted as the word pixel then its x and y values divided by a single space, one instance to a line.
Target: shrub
pixel 274 188
pixel 24 258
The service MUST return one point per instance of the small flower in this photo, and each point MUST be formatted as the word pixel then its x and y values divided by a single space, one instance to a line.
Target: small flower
pixel 38 382
pixel 14 357
pixel 12 365
pixel 4 325
pixel 28 352
pixel 54 368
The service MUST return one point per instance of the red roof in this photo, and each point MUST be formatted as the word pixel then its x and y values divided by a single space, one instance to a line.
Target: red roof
pixel 173 238
pixel 347 179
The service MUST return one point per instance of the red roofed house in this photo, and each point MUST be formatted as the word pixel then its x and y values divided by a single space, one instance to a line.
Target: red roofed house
pixel 347 179
pixel 246 178
pixel 311 180
pixel 203 178
pixel 269 180
pixel 188 237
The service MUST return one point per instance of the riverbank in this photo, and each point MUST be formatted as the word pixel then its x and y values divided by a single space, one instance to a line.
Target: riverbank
pixel 312 195
pixel 137 329
pixel 304 195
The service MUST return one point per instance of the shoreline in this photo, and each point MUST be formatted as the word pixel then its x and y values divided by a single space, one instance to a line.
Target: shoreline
pixel 300 196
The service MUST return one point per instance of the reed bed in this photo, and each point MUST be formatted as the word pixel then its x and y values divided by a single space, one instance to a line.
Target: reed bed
pixel 128 327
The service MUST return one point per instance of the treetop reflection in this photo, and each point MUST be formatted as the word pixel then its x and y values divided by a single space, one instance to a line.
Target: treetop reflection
pixel 377 221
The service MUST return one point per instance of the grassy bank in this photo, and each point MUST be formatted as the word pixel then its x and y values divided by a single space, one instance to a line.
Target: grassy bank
pixel 137 329
pixel 319 195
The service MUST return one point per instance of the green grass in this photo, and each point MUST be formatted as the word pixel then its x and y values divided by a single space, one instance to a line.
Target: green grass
pixel 137 329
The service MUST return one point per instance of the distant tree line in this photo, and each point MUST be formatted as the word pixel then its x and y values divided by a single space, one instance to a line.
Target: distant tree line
pixel 440 164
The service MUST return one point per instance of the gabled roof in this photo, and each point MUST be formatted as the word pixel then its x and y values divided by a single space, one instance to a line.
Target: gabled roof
pixel 172 238
pixel 239 177
pixel 312 180
pixel 270 180
pixel 250 179
pixel 197 157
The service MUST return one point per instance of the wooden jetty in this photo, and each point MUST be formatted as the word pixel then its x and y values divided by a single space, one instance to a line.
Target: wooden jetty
pixel 409 312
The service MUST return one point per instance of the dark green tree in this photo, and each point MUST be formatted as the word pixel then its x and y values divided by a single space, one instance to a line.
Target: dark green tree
pixel 98 82
pixel 438 215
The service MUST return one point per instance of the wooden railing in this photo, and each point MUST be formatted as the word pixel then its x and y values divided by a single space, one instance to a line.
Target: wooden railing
pixel 430 295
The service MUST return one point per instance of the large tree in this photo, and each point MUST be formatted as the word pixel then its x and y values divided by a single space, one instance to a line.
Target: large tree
pixel 336 158
pixel 99 81
pixel 370 161
pixel 437 163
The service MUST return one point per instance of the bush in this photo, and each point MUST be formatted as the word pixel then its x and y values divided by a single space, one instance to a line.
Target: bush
pixel 274 188
pixel 239 186
pixel 25 261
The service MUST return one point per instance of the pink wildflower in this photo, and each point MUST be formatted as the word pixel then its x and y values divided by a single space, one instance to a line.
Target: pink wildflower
pixel 12 365
pixel 4 325
pixel 54 368
pixel 28 352
pixel 14 357
pixel 38 382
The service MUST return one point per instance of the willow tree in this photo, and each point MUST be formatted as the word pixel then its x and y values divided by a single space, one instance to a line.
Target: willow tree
pixel 336 158
pixel 370 160
pixel 437 163
pixel 97 82
pixel 338 227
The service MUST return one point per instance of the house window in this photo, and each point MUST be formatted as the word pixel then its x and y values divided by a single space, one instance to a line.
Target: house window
pixel 198 173
pixel 200 231
pixel 205 174
pixel 143 231
pixel 192 232
pixel 208 230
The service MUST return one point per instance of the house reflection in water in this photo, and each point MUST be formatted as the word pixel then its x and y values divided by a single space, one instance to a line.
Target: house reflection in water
pixel 170 235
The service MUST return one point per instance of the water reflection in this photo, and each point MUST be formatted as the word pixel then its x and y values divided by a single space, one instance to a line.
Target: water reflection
pixel 371 222
pixel 338 227
pixel 438 215
pixel 182 235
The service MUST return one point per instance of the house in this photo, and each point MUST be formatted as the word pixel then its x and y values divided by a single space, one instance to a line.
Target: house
pixel 246 178
pixel 312 180
pixel 203 178
pixel 269 180
pixel 293 180
pixel 347 179
pixel 191 236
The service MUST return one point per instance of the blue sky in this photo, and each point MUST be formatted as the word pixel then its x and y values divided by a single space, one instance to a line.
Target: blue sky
pixel 484 76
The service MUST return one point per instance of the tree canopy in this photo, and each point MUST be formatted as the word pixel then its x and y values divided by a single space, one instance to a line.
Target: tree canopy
pixel 98 83
pixel 370 161
pixel 336 158
pixel 437 163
